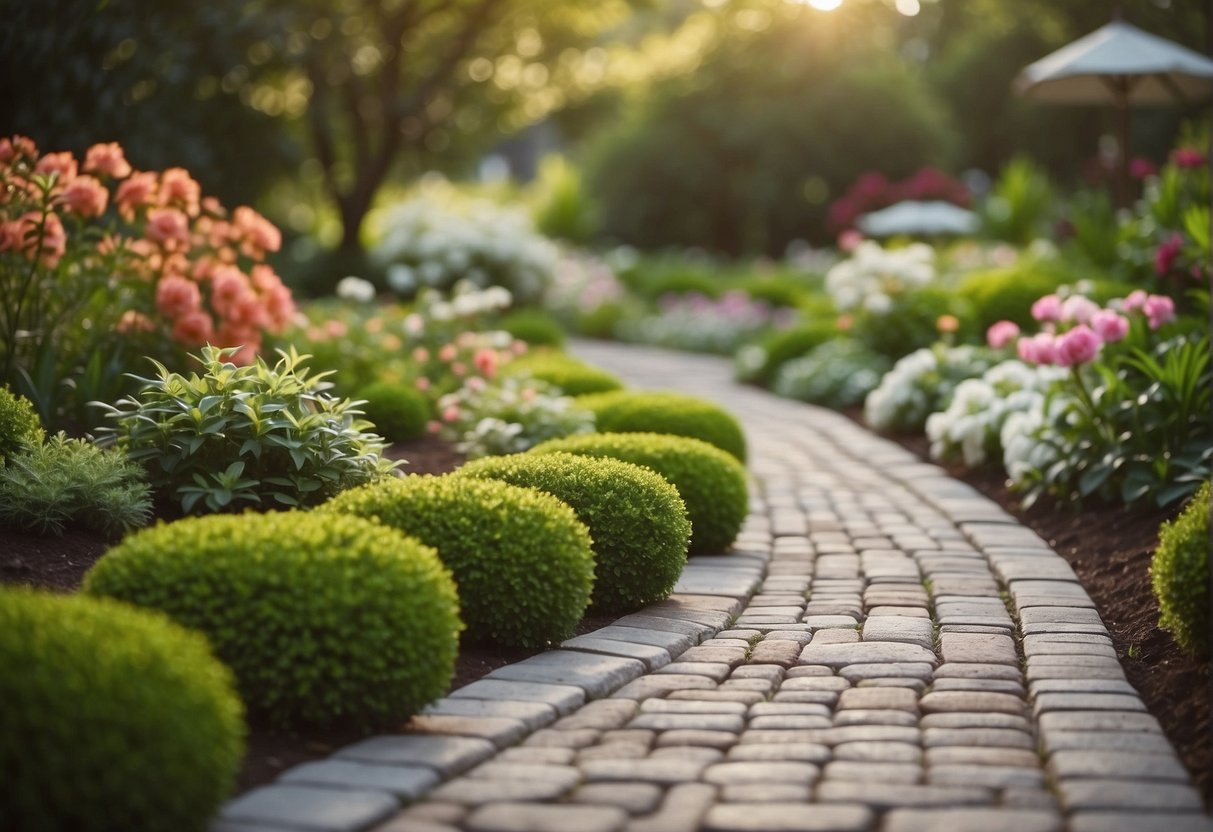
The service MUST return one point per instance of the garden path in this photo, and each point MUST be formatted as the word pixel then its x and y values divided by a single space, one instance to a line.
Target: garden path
pixel 947 672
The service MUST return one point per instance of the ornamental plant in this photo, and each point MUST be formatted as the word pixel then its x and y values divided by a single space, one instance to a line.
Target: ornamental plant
pixel 838 374
pixel 19 425
pixel 235 436
pixel 759 362
pixel 508 416
pixel 645 411
pixel 701 323
pixel 1131 420
pixel 920 384
pixel 570 375
pixel 1179 573
pixel 100 263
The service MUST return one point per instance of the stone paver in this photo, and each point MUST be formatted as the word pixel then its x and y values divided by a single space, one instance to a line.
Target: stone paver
pixel 884 650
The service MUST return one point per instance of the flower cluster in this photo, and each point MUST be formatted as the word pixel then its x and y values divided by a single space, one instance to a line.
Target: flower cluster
pixel 581 284
pixel 696 322
pixel 432 242
pixel 873 191
pixel 922 383
pixel 873 278
pixel 507 417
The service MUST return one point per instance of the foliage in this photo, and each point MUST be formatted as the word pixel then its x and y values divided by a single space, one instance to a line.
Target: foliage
pixel 571 376
pixel 585 295
pixel 711 483
pixel 151 268
pixel 520 558
pixel 257 434
pixel 1019 205
pixel 325 620
pixel 636 520
pixel 19 425
pixel 922 383
pixel 1007 293
pixel 837 374
pixel 360 343
pixel 700 323
pixel 633 411
pixel 534 327
pixel 1179 572
pixel 508 416
pixel 64 483
pixel 113 718
pixel 398 412
pixel 759 363
pixel 564 210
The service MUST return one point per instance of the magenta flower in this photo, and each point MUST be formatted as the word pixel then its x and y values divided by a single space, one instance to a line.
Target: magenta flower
pixel 1047 308
pixel 1140 168
pixel 1110 326
pixel 1136 300
pixel 1039 349
pixel 1001 334
pixel 1160 309
pixel 1078 346
pixel 1188 157
pixel 1167 253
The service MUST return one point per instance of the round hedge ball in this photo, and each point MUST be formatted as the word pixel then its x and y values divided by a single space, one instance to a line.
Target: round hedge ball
pixel 324 620
pixel 1180 575
pixel 573 377
pixel 639 411
pixel 19 425
pixel 711 482
pixel 398 412
pixel 636 519
pixel 113 718
pixel 521 558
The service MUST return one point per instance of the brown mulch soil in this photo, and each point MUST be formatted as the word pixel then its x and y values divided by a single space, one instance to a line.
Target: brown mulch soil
pixel 1109 547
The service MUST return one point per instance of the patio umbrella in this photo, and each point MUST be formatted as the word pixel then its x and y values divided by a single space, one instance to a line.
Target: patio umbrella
pixel 913 217
pixel 1121 65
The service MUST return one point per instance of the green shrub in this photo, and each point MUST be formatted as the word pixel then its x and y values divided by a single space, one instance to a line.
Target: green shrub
pixel 711 483
pixel 534 326
pixel 573 377
pixel 1180 574
pixel 636 519
pixel 1008 294
pixel 397 411
pixel 323 619
pixel 913 323
pixel 521 559
pixel 1020 203
pixel 636 411
pixel 240 435
pixel 758 363
pixel 19 425
pixel 837 374
pixel 51 486
pixel 113 718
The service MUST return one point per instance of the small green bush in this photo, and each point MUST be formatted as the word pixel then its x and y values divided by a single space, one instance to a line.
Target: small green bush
pixel 521 559
pixel 572 376
pixel 51 486
pixel 838 374
pixel 1180 574
pixel 19 425
pixel 239 435
pixel 113 718
pixel 1007 294
pixel 759 363
pixel 534 326
pixel 711 483
pixel 397 411
pixel 324 619
pixel 636 411
pixel 636 519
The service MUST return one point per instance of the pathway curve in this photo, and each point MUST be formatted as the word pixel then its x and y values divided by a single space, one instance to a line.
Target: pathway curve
pixel 883 649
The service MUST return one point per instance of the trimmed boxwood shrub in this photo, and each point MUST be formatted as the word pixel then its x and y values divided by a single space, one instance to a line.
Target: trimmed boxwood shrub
pixel 1180 574
pixel 113 718
pixel 324 619
pixel 710 482
pixel 521 559
pixel 640 411
pixel 637 521
pixel 573 377
pixel 19 425
pixel 759 363
pixel 397 411
pixel 534 326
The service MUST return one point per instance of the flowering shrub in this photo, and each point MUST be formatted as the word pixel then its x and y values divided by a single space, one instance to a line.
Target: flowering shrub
pixel 1131 420
pixel 873 191
pixel 94 253
pixel 702 324
pixel 920 384
pixel 838 374
pixel 585 294
pixel 1167 243
pixel 435 243
pixel 507 417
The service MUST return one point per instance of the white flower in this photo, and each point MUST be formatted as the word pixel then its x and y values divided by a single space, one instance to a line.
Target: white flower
pixel 356 289
pixel 401 278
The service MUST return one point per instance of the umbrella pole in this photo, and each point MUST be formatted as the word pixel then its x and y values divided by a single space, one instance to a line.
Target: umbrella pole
pixel 1121 88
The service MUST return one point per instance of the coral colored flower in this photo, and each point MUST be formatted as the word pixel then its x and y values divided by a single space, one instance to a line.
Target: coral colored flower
pixel 1167 253
pixel 167 226
pixel 194 329
pixel 64 164
pixel 447 354
pixel 1078 309
pixel 179 190
pixel 107 160
pixel 529 393
pixel 134 321
pixel 336 329
pixel 486 362
pixel 17 147
pixel 1001 334
pixel 1135 300
pixel 433 426
pixel 137 192
pixel 421 355
pixel 1160 309
pixel 228 287
pixel 1047 308
pixel 947 323
pixel 177 296
pixel 459 369
pixel 845 323
pixel 450 413
pixel 1110 326
pixel 1188 157
pixel 421 383
pixel 1078 346
pixel 85 196
pixel 22 235
pixel 519 347
pixel 392 342
pixel 259 235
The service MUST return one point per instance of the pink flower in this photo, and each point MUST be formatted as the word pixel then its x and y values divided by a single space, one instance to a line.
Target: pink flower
pixel 421 355
pixel 1078 309
pixel 194 329
pixel 1140 168
pixel 475 384
pixel 177 296
pixel 1160 309
pixel 519 347
pixel 1001 334
pixel 1188 157
pixel 259 234
pixel 63 164
pixel 421 383
pixel 486 362
pixel 107 160
pixel 22 235
pixel 15 148
pixel 529 394
pixel 137 192
pixel 134 321
pixel 1135 300
pixel 1047 308
pixel 459 369
pixel 433 426
pixel 85 196
pixel 849 240
pixel 229 287
pixel 335 328
pixel 1109 326
pixel 1167 253
pixel 1078 346
pixel 178 189
pixel 168 227
pixel 1039 349
pixel 450 413
pixel 447 354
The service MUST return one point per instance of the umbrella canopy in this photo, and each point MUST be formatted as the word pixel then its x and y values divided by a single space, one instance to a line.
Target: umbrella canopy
pixel 1122 65
pixel 913 217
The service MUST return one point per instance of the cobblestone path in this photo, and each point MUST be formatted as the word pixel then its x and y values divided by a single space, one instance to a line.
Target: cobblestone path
pixel 883 649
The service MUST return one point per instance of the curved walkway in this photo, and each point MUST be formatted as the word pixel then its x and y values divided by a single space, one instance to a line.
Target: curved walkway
pixel 883 649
